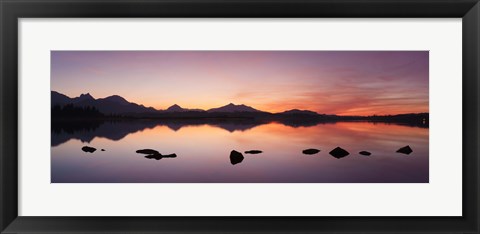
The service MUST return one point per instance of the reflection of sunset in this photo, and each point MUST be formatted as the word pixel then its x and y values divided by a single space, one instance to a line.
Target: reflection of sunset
pixel 347 134
pixel 203 154
pixel 343 83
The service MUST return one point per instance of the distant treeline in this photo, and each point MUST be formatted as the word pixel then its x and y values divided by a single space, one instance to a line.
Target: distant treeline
pixel 71 111
pixel 414 119
pixel 421 118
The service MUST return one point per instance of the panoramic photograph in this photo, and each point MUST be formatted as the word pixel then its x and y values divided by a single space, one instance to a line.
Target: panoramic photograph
pixel 239 116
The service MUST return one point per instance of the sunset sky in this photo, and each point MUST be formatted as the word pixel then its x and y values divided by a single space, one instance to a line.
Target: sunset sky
pixel 330 82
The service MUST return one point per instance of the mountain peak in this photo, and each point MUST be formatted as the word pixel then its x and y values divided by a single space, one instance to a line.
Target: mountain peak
pixel 86 95
pixel 59 99
pixel 57 93
pixel 114 104
pixel 117 99
pixel 299 112
pixel 234 108
pixel 175 108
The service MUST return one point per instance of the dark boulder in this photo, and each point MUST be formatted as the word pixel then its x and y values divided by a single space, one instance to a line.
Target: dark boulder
pixel 154 156
pixel 169 156
pixel 88 149
pixel 339 152
pixel 147 151
pixel 365 153
pixel 103 149
pixel 236 157
pixel 160 156
pixel 310 151
pixel 253 152
pixel 405 150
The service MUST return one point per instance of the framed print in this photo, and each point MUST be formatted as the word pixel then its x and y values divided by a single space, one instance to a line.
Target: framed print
pixel 275 113
pixel 278 116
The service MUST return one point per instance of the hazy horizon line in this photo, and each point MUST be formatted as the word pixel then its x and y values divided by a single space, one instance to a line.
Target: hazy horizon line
pixel 194 108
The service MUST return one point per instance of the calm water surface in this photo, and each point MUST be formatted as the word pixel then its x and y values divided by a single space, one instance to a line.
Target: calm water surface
pixel 203 153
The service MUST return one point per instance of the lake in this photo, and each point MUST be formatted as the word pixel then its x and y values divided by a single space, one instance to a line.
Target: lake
pixel 203 153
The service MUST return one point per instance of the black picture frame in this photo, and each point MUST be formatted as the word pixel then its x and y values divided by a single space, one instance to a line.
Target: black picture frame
pixel 11 11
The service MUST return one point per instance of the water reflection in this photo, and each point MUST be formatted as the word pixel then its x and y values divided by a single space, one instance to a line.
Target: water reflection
pixel 86 131
pixel 205 153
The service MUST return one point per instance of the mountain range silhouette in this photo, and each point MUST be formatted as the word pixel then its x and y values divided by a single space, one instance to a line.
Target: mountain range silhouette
pixel 234 108
pixel 114 117
pixel 118 105
pixel 110 105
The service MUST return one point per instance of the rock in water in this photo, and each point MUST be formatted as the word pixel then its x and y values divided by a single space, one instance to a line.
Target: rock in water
pixel 310 151
pixel 169 156
pixel 154 156
pixel 339 152
pixel 365 153
pixel 236 157
pixel 88 149
pixel 160 156
pixel 103 149
pixel 253 152
pixel 405 150
pixel 147 151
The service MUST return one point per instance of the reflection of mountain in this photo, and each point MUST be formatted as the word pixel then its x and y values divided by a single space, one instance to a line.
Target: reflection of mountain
pixel 86 131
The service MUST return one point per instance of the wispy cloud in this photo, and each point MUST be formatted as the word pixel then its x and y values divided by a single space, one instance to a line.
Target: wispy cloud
pixel 343 82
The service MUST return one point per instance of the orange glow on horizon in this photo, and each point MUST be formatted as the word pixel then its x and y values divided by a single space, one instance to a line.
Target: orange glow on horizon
pixel 345 110
pixel 359 83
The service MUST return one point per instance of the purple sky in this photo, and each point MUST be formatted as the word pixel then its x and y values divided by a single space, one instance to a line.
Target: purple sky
pixel 332 82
